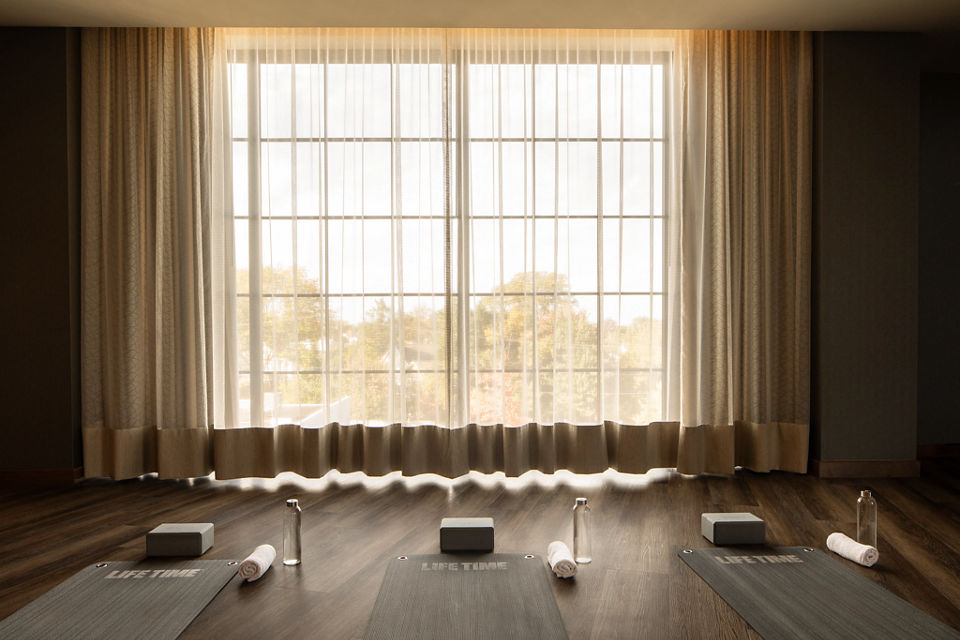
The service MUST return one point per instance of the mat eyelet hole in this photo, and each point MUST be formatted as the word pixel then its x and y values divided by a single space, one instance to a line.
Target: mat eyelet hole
pixel 807 549
pixel 231 563
pixel 401 557
pixel 529 557
pixel 688 551
pixel 101 565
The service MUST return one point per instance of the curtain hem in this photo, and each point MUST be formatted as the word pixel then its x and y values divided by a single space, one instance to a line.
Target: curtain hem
pixel 449 452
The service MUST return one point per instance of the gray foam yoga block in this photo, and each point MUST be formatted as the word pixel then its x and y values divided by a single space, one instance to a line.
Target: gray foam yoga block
pixel 466 534
pixel 180 539
pixel 732 528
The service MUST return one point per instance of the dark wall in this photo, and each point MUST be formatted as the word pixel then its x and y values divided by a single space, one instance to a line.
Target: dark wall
pixel 939 376
pixel 865 273
pixel 39 163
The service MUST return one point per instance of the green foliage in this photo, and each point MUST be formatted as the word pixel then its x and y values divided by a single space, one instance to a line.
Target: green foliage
pixel 532 351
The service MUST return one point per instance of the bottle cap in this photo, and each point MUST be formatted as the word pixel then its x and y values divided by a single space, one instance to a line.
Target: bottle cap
pixel 865 493
pixel 581 501
pixel 292 502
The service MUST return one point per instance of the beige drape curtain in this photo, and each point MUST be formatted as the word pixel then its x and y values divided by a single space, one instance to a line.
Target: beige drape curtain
pixel 739 354
pixel 149 252
pixel 159 318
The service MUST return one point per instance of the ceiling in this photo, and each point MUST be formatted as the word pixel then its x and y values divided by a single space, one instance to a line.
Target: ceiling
pixel 868 15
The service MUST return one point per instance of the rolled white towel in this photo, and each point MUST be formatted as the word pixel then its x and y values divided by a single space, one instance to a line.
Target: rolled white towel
pixel 852 550
pixel 561 560
pixel 257 563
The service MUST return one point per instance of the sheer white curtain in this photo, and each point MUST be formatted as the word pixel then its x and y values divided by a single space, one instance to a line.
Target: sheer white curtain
pixel 449 227
pixel 157 270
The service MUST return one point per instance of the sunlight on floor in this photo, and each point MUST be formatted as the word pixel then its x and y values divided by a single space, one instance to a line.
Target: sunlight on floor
pixel 560 479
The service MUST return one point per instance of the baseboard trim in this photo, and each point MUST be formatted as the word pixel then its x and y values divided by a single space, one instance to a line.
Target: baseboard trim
pixel 865 468
pixel 938 451
pixel 40 478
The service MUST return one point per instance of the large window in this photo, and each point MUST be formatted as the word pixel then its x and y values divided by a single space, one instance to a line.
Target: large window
pixel 449 235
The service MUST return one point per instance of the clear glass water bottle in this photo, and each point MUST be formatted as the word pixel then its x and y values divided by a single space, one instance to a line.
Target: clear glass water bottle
pixel 291 532
pixel 581 532
pixel 867 519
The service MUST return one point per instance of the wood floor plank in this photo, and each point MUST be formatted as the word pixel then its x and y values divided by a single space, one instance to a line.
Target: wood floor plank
pixel 636 587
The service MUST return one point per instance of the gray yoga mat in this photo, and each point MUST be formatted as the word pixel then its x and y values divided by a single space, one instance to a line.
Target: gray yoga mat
pixel 147 600
pixel 491 595
pixel 799 592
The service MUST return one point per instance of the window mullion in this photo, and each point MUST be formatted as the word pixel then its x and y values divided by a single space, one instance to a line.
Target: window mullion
pixel 254 245
pixel 397 335
pixel 463 257
pixel 665 126
pixel 447 235
pixel 600 291
pixel 325 245
pixel 295 227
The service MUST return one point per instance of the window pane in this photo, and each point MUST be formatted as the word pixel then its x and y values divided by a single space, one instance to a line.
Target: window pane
pixel 611 86
pixel 500 397
pixel 423 321
pixel 658 178
pixel 285 398
pixel 584 396
pixel 642 167
pixel 241 244
pixel 275 100
pixel 658 100
pixel 544 160
pixel 566 178
pixel 628 308
pixel 358 178
pixel 485 261
pixel 500 100
pixel 276 181
pixel 578 253
pixel 378 256
pixel 279 332
pixel 309 257
pixel 346 256
pixel 545 114
pixel 309 104
pixel 310 333
pixel 241 188
pixel 309 179
pixel 243 332
pixel 358 104
pixel 658 255
pixel 238 100
pixel 421 178
pixel 637 94
pixel 482 108
pixel 626 255
pixel 517 252
pixel 484 178
pixel 583 332
pixel 420 100
pixel 577 100
pixel 423 256
pixel 278 256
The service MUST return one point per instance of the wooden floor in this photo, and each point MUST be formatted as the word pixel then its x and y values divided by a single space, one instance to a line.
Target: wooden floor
pixel 636 586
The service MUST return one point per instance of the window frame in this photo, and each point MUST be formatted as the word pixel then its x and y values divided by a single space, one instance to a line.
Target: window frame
pixel 458 403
